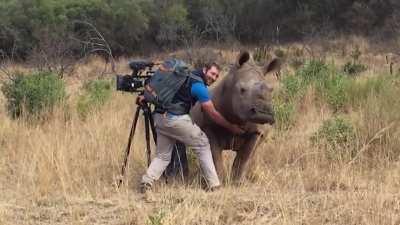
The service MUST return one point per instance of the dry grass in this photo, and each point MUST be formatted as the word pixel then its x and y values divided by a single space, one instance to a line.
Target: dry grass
pixel 64 171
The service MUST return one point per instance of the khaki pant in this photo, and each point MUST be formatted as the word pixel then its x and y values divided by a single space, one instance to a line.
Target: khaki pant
pixel 171 128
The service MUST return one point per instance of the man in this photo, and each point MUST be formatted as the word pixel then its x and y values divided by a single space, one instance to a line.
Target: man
pixel 179 126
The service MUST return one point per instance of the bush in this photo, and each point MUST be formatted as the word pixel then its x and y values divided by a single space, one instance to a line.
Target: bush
pixel 284 115
pixel 279 53
pixel 337 134
pixel 330 84
pixel 285 100
pixel 156 219
pixel 314 70
pixel 292 87
pixel 96 93
pixel 334 91
pixel 33 94
pixel 353 69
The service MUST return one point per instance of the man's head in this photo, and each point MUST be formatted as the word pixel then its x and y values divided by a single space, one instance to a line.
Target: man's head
pixel 211 73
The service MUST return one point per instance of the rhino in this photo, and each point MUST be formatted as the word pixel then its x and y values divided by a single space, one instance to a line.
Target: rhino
pixel 243 97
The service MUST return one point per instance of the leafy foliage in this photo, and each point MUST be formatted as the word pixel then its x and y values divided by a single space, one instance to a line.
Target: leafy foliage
pixel 293 87
pixel 352 69
pixel 157 218
pixel 286 100
pixel 338 133
pixel 331 85
pixel 96 93
pixel 334 91
pixel 313 71
pixel 174 25
pixel 132 25
pixel 284 114
pixel 33 94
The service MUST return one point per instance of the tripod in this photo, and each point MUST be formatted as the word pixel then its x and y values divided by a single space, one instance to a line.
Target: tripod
pixel 149 124
pixel 179 159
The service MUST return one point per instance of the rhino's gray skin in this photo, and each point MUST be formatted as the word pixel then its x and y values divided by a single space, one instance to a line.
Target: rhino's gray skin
pixel 243 97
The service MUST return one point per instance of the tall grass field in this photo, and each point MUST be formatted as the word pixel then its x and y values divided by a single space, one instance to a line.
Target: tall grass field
pixel 331 158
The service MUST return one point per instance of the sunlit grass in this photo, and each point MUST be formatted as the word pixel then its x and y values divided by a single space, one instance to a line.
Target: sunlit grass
pixel 64 171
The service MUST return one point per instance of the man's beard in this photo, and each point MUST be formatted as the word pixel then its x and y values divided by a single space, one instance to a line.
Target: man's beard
pixel 208 81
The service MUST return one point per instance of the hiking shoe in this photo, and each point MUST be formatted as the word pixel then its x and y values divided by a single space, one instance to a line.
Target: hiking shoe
pixel 145 187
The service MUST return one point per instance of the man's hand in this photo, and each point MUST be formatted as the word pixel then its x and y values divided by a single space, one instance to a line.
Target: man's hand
pixel 140 100
pixel 210 109
pixel 235 129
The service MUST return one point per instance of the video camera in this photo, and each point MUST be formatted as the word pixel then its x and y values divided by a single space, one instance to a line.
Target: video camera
pixel 141 72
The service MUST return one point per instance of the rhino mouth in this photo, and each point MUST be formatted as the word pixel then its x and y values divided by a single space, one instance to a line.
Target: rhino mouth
pixel 261 116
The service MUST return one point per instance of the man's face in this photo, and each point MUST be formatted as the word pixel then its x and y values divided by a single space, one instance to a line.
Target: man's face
pixel 211 75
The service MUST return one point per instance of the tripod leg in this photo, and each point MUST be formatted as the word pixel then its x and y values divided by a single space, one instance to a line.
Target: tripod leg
pixel 147 129
pixel 128 147
pixel 183 161
pixel 153 128
pixel 179 162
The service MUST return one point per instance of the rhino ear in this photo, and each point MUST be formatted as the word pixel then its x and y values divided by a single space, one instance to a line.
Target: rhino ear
pixel 243 57
pixel 273 66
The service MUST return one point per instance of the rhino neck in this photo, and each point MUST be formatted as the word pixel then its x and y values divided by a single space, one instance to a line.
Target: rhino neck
pixel 222 99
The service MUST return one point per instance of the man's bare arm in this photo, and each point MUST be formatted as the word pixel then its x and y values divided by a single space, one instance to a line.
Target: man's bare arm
pixel 210 109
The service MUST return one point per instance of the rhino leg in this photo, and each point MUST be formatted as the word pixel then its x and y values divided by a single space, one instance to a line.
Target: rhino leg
pixel 243 154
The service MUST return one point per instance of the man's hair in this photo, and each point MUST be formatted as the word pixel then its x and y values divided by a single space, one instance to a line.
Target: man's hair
pixel 211 64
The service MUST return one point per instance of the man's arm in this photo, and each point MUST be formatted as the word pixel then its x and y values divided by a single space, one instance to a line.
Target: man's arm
pixel 210 109
pixel 200 91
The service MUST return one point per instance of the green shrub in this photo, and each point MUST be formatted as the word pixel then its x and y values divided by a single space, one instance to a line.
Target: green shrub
pixel 157 218
pixel 96 93
pixel 284 115
pixel 314 70
pixel 279 53
pixel 285 100
pixel 330 84
pixel 338 135
pixel 292 87
pixel 33 94
pixel 353 69
pixel 334 91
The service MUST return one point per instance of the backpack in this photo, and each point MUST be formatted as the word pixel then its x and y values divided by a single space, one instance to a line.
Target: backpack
pixel 166 82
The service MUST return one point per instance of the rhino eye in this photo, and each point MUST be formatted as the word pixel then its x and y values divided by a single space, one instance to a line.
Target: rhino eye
pixel 242 90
